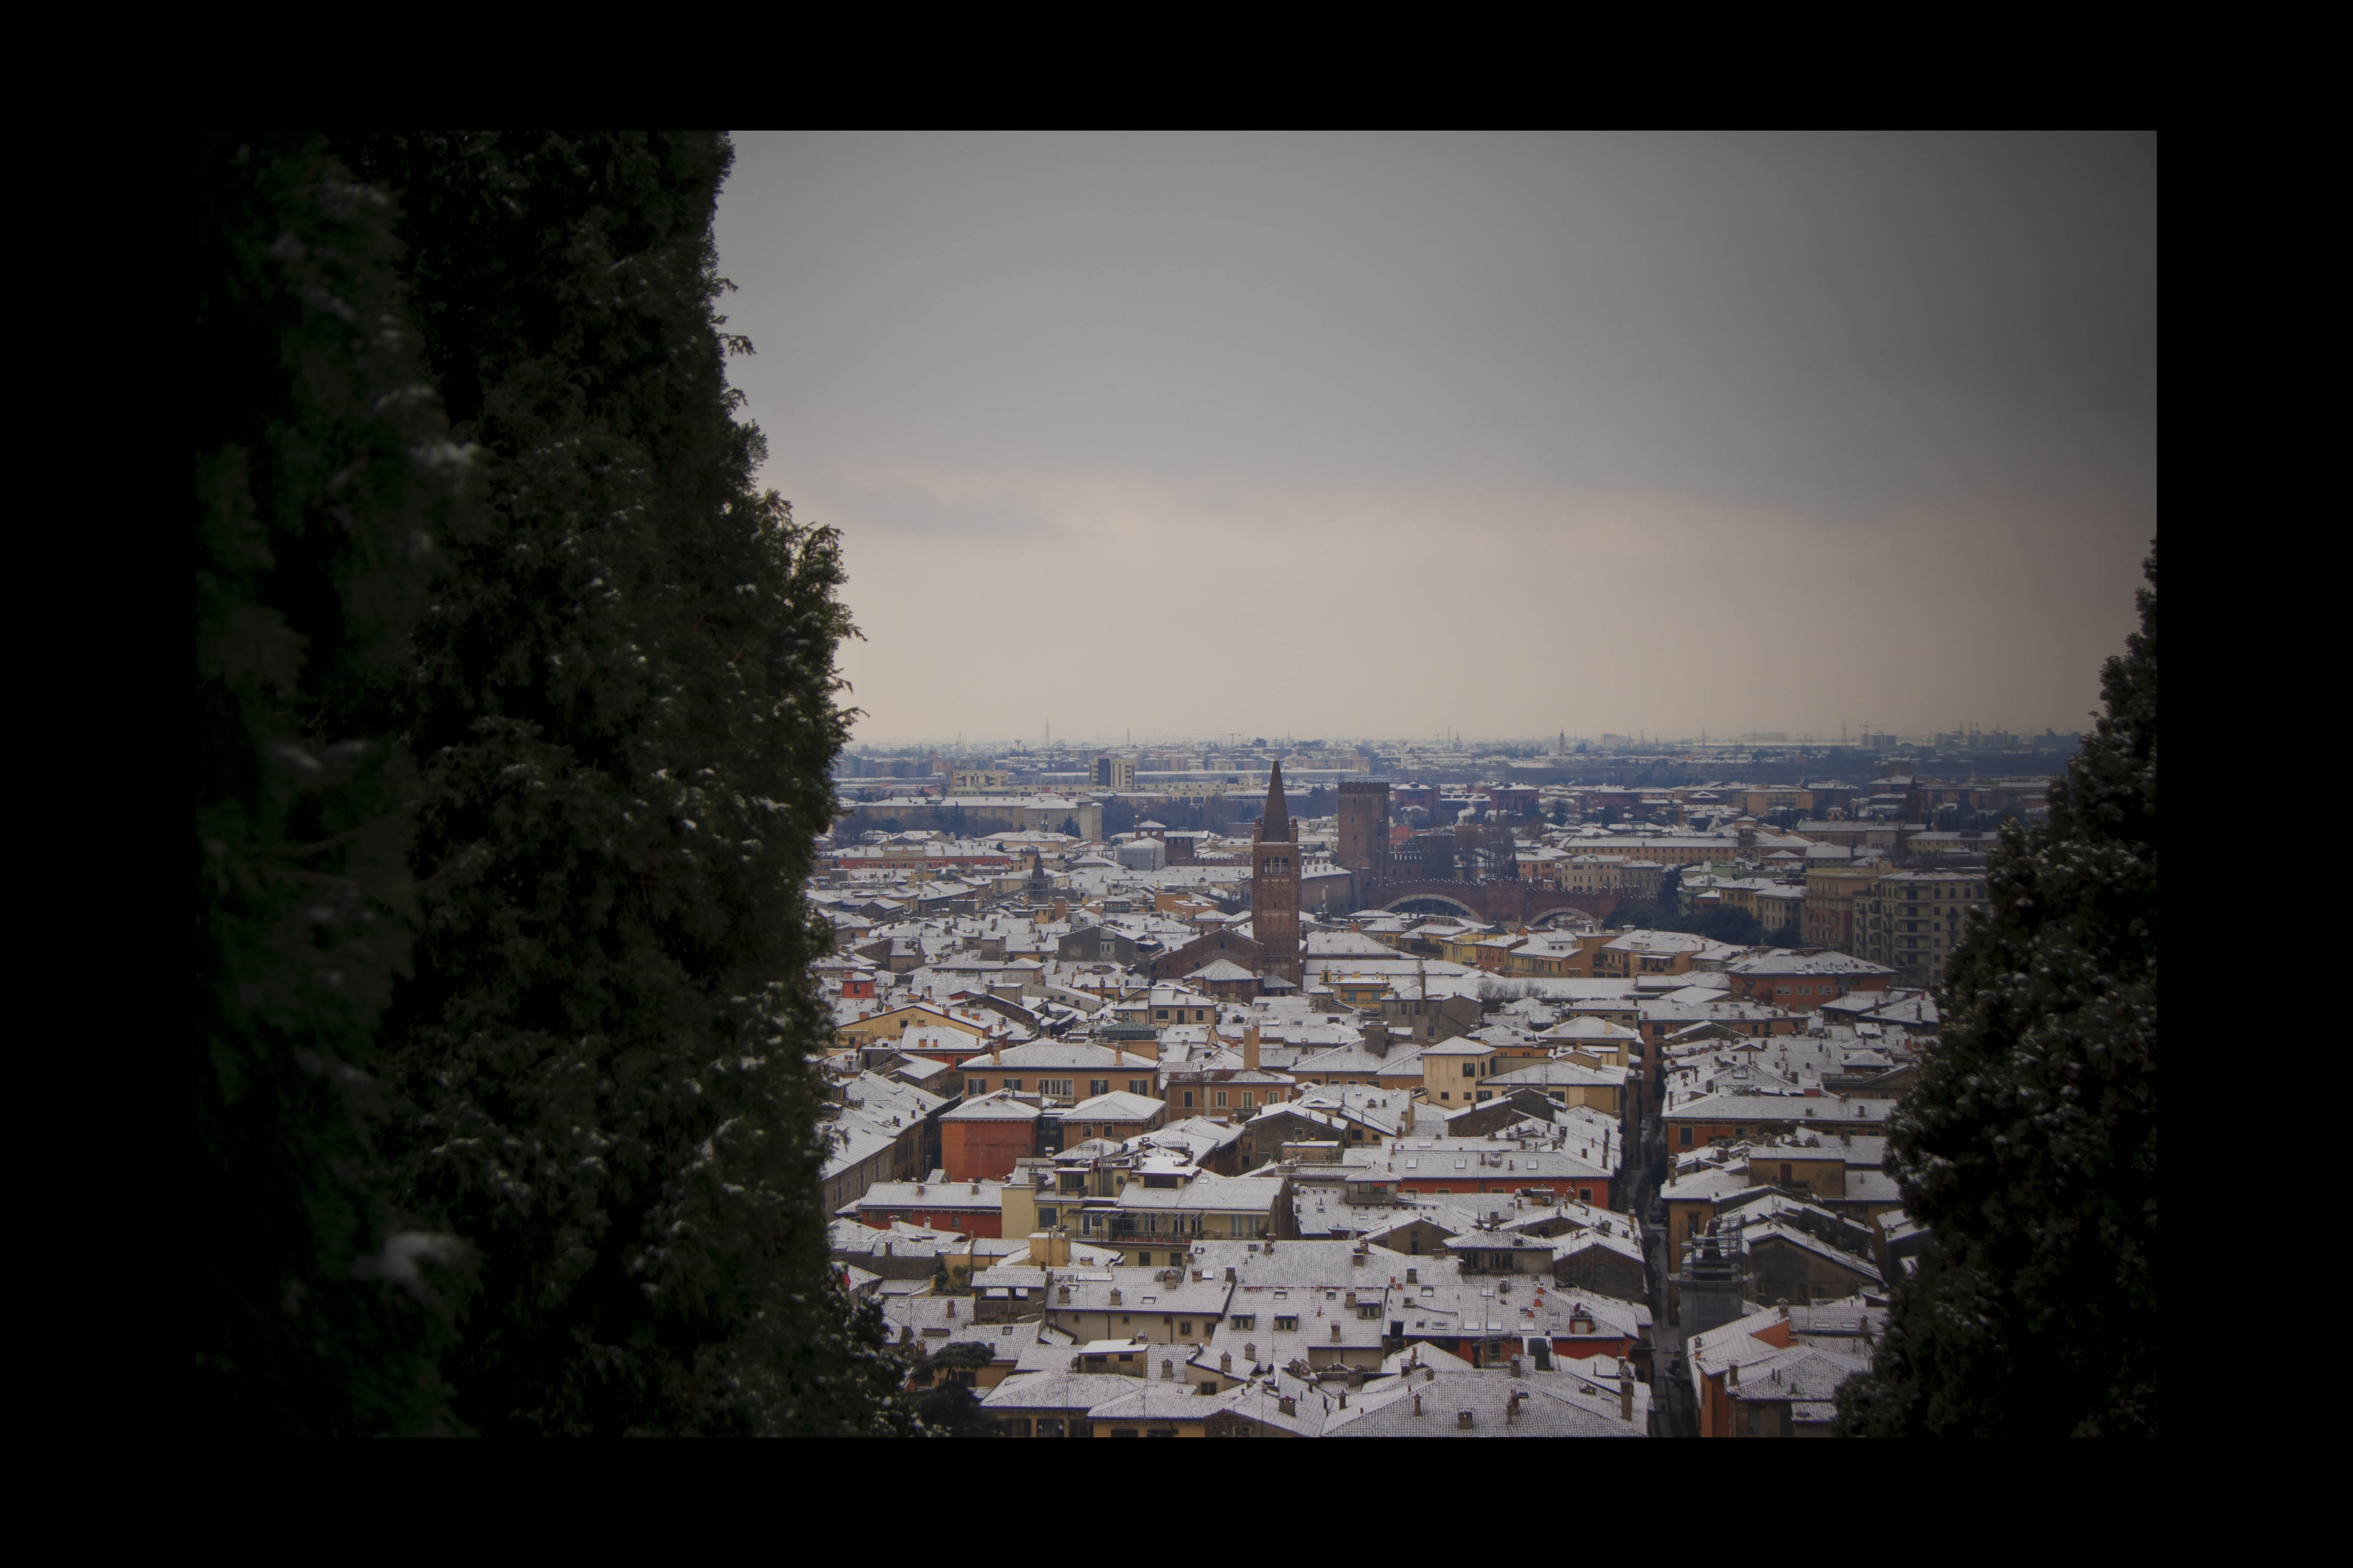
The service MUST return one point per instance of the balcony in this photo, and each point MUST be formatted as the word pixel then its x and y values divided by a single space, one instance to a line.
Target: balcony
pixel 1180 1230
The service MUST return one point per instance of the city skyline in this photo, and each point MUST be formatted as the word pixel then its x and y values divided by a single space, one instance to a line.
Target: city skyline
pixel 1129 738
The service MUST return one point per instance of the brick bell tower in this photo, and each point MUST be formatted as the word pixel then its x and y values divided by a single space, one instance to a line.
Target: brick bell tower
pixel 1365 830
pixel 1275 883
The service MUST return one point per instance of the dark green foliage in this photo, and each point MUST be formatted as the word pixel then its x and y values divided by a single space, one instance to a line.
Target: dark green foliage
pixel 322 472
pixel 626 705
pixel 952 1410
pixel 2030 1146
pixel 961 1355
pixel 1725 923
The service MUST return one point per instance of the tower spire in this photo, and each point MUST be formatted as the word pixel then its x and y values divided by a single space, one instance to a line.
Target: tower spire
pixel 1276 819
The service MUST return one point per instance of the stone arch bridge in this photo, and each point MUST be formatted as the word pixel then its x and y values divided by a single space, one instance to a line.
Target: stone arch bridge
pixel 1494 904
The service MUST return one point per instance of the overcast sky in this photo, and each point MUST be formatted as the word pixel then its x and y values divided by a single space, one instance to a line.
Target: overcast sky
pixel 1380 435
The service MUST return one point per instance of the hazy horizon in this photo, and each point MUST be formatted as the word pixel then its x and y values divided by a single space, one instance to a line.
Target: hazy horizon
pixel 1382 436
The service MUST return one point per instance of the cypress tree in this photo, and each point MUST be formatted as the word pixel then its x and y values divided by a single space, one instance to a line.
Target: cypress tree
pixel 323 473
pixel 2030 1146
pixel 626 703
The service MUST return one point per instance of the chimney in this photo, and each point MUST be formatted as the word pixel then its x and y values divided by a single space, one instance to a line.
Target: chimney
pixel 1462 1421
pixel 1417 1404
pixel 1625 1391
pixel 1515 1372
pixel 1250 1047
pixel 951 1307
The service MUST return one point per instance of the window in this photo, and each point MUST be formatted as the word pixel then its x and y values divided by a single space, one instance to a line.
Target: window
pixel 1014 1084
pixel 1244 1319
pixel 1188 1100
pixel 1185 1326
pixel 1047 1217
pixel 1220 1098
pixel 1098 1086
pixel 1687 1137
pixel 1286 1324
pixel 975 1087
pixel 1161 1014
pixel 1470 1069
pixel 1142 1260
pixel 1249 1100
pixel 1143 1086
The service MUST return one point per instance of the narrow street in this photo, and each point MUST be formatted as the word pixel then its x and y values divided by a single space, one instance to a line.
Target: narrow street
pixel 1672 1413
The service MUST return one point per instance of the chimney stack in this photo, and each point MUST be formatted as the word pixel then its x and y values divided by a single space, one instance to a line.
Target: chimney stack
pixel 1250 1047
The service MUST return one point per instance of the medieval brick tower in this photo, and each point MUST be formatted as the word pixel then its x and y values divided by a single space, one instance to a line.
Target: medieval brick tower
pixel 1364 830
pixel 1275 883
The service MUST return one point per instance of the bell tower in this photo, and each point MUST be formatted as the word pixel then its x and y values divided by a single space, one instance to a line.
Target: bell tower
pixel 1274 882
pixel 1365 828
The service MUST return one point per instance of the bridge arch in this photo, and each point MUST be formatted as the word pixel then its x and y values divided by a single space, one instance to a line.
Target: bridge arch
pixel 1510 902
pixel 1432 904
